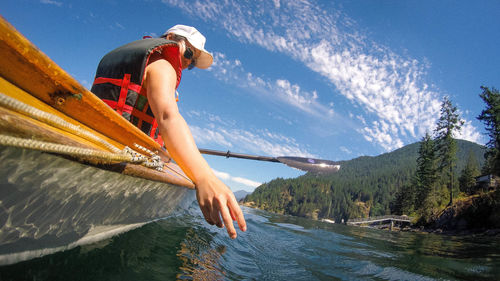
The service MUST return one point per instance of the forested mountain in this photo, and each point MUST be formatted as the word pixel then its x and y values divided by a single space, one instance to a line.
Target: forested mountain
pixel 240 194
pixel 364 186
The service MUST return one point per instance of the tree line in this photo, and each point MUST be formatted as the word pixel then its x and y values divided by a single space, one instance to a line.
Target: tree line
pixel 417 179
pixel 435 182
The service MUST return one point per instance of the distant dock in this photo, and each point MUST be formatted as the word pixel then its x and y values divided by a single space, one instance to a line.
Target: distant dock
pixel 381 220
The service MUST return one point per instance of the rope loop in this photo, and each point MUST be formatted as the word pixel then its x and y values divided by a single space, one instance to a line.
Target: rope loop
pixel 116 155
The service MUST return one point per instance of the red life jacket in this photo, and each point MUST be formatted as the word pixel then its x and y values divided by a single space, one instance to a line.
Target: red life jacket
pixel 119 78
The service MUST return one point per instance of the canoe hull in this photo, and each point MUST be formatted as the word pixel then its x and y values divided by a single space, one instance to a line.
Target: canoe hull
pixel 49 203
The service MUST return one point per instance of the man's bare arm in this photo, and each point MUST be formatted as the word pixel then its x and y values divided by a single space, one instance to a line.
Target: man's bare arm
pixel 214 198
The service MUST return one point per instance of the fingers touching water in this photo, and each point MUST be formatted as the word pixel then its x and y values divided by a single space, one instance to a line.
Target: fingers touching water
pixel 219 206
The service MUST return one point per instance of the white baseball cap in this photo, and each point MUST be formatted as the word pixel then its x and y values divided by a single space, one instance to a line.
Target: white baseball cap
pixel 196 39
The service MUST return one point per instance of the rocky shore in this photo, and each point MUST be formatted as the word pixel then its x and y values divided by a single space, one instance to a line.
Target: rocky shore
pixel 477 215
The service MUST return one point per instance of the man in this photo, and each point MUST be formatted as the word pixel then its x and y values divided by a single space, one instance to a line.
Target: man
pixel 139 80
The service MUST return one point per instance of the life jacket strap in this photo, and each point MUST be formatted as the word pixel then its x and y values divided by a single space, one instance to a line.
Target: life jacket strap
pixel 123 93
pixel 143 117
pixel 117 82
pixel 153 129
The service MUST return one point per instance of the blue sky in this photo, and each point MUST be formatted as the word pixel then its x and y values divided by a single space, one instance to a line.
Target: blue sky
pixel 332 80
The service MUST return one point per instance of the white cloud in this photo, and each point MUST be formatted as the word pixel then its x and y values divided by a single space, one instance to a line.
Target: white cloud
pixel 208 136
pixel 223 133
pixel 281 90
pixel 116 25
pixel 50 2
pixel 120 26
pixel 293 95
pixel 253 142
pixel 469 132
pixel 276 3
pixel 280 118
pixel 361 118
pixel 221 175
pixel 389 87
pixel 345 150
pixel 244 181
pixel 247 182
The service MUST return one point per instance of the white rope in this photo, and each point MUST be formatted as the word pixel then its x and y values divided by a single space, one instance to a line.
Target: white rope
pixel 127 155
pixel 86 153
pixel 53 120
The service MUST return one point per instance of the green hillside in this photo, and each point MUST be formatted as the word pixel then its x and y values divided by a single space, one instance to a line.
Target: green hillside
pixel 364 186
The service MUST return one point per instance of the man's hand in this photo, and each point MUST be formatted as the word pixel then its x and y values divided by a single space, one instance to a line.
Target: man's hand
pixel 216 200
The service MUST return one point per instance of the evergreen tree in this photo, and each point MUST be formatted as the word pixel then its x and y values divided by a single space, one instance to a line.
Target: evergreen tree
pixel 467 180
pixel 449 122
pixel 426 174
pixel 404 201
pixel 363 186
pixel 491 118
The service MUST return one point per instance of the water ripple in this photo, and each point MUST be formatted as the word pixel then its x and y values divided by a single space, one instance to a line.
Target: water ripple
pixel 275 247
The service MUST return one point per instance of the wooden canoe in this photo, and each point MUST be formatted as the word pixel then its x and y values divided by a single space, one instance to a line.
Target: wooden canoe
pixel 50 203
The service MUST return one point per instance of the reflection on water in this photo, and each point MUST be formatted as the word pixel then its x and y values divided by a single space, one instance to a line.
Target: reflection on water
pixel 49 203
pixel 199 260
pixel 274 248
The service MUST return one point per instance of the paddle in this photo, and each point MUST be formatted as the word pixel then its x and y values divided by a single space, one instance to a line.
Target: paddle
pixel 304 164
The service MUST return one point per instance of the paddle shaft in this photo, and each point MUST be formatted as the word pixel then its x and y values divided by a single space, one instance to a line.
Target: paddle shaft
pixel 238 155
pixel 304 164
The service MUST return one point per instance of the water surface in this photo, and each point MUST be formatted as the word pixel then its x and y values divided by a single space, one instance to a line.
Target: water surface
pixel 275 247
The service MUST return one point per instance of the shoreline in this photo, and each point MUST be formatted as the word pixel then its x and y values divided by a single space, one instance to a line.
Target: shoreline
pixel 454 232
pixel 481 232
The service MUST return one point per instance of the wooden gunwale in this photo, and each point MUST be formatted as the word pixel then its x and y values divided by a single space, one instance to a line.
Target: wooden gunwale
pixel 25 66
pixel 29 76
pixel 14 92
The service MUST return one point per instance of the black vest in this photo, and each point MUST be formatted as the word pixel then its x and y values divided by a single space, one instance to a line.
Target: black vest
pixel 119 78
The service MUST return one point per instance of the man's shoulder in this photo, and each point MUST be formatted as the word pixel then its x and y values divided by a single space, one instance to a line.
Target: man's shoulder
pixel 160 68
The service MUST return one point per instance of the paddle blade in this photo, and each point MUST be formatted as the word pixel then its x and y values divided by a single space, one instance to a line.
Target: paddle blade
pixel 316 166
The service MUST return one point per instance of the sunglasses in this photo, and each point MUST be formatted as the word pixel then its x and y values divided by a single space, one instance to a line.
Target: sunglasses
pixel 189 54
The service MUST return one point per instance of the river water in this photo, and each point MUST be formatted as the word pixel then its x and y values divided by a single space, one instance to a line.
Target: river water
pixel 275 247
